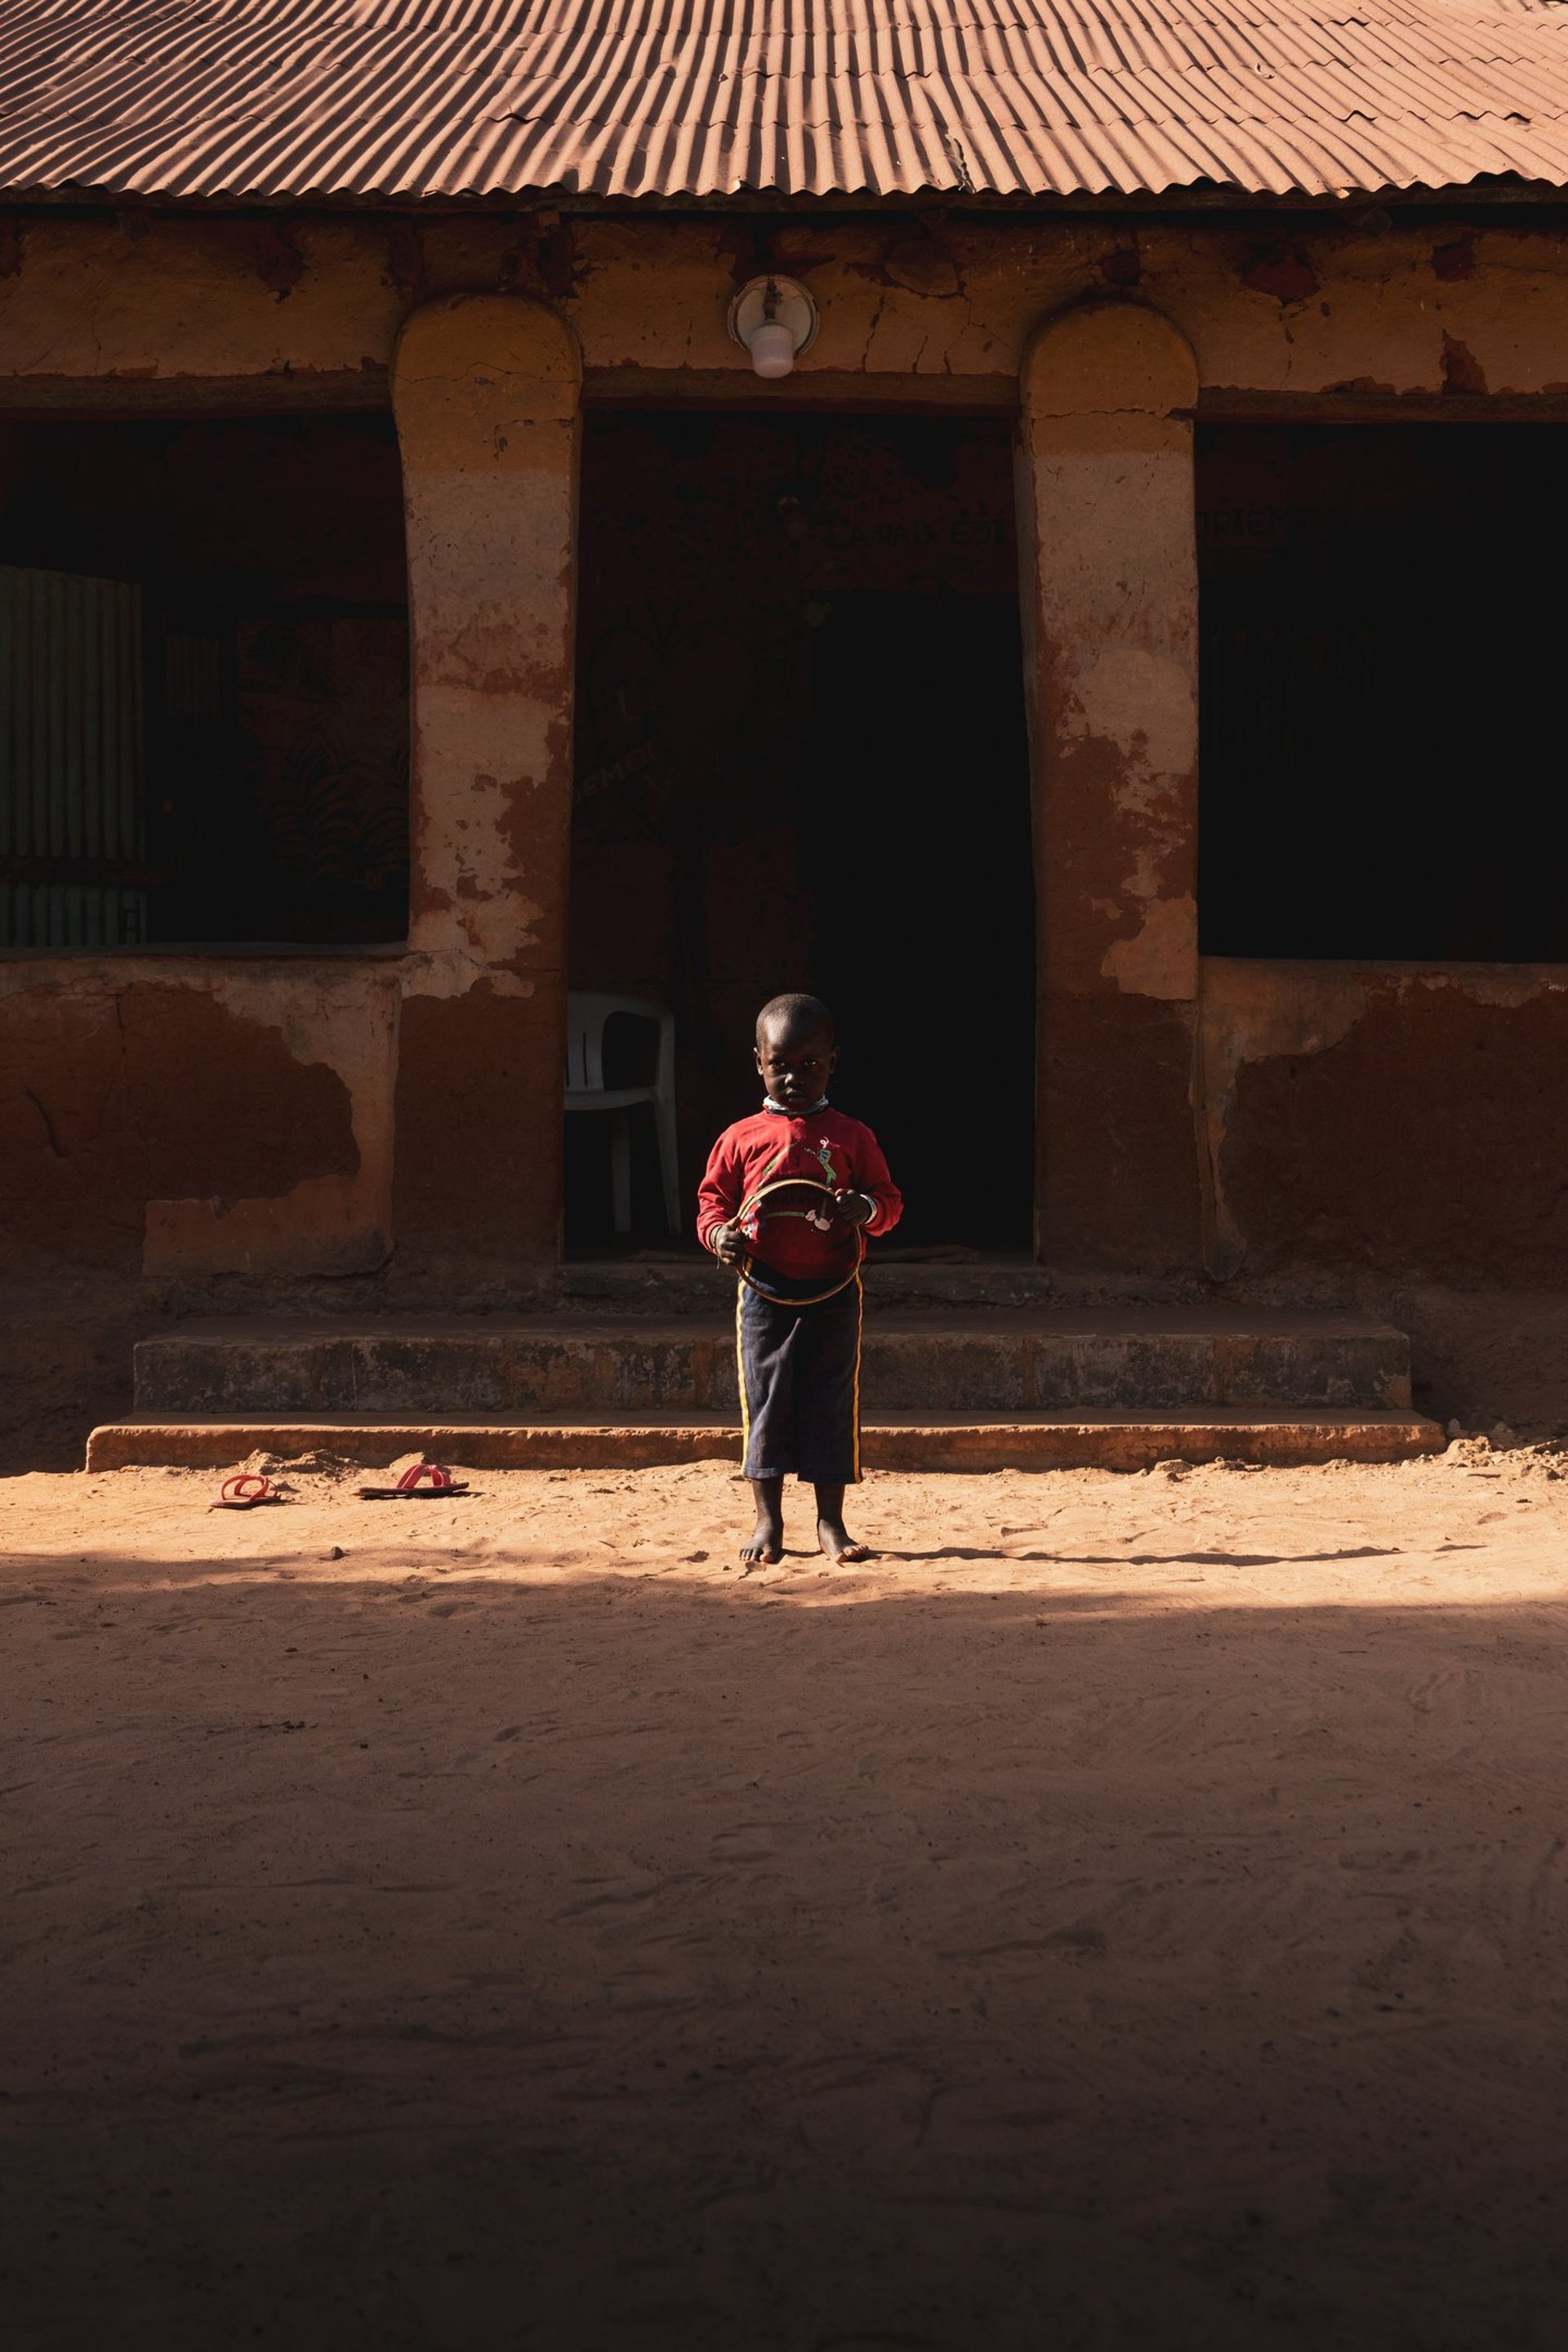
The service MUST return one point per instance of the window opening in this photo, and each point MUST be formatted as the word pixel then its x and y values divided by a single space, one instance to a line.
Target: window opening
pixel 1381 768
pixel 203 662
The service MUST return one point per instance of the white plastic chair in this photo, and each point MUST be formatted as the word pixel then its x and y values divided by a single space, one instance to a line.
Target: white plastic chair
pixel 586 1017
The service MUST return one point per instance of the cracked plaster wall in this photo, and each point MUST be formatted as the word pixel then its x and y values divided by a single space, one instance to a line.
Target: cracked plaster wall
pixel 1386 1118
pixel 1110 588
pixel 1302 307
pixel 164 1117
pixel 487 395
pixel 1440 306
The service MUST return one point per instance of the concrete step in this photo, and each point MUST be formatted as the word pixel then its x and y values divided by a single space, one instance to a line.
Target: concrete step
pixel 1107 1441
pixel 689 1282
pixel 964 1361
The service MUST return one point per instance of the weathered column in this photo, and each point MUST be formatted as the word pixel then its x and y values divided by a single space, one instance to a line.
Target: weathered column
pixel 486 390
pixel 1111 625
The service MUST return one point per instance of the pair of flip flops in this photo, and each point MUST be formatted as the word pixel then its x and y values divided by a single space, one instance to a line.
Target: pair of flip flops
pixel 247 1488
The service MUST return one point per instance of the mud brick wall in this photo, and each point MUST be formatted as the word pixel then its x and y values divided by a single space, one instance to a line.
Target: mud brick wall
pixel 296 1120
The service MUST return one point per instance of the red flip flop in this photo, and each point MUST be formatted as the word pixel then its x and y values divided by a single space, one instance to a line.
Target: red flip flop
pixel 411 1483
pixel 243 1491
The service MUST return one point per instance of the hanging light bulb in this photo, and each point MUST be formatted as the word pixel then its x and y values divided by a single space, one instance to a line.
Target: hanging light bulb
pixel 772 349
pixel 773 318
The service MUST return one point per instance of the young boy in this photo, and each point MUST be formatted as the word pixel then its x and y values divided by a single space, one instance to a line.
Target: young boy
pixel 799 1364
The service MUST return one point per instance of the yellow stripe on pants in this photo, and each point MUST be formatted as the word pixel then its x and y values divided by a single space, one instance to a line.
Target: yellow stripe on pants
pixel 740 1377
pixel 859 1328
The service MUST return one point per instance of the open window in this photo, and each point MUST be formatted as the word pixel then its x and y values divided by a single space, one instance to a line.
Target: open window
pixel 204 654
pixel 1382 768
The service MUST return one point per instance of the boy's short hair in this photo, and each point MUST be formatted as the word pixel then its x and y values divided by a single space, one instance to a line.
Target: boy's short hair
pixel 795 1013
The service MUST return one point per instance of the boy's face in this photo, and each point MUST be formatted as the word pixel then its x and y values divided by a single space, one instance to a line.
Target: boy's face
pixel 795 1064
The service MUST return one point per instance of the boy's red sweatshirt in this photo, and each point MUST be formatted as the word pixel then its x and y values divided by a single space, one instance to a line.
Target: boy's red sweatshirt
pixel 821 1144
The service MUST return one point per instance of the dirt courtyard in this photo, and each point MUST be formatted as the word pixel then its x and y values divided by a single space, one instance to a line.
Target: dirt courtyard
pixel 1128 1912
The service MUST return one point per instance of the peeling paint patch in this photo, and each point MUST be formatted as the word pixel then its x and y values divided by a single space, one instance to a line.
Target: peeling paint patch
pixel 1256 1012
pixel 1462 372
pixel 1510 986
pixel 1161 960
pixel 217 1118
pixel 1386 1114
pixel 1284 272
pixel 1143 703
pixel 486 392
pixel 445 974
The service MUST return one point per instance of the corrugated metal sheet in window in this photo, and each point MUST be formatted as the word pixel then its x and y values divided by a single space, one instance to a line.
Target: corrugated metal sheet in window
pixel 72 741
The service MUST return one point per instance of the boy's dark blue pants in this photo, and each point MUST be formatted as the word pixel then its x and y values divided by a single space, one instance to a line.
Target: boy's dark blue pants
pixel 800 1387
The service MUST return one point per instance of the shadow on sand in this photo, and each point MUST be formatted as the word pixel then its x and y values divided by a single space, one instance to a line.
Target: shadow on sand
pixel 456 1962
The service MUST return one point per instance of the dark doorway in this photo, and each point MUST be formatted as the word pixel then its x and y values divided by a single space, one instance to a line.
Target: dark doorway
pixel 1382 766
pixel 802 763
pixel 917 868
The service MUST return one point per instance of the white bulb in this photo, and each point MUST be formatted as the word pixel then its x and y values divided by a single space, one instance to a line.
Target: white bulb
pixel 772 349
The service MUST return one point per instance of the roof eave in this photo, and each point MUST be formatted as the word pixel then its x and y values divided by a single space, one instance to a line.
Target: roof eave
pixel 1505 190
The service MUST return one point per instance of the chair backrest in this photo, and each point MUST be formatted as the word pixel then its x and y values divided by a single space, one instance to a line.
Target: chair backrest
pixel 586 1015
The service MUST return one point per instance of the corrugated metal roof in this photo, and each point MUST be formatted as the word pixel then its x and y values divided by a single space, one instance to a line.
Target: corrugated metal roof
pixel 283 100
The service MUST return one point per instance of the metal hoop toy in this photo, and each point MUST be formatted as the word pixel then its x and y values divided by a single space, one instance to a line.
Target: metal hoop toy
pixel 744 1266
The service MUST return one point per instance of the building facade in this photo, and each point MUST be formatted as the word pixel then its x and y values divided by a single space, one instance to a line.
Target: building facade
pixel 1118 665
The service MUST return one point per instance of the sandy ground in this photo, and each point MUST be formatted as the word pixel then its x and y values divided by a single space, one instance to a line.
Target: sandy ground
pixel 1128 1913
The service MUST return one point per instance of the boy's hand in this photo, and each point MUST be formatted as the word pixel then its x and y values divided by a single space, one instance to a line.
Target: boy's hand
pixel 855 1208
pixel 728 1243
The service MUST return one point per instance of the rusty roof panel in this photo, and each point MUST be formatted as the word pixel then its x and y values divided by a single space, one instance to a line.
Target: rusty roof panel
pixel 284 100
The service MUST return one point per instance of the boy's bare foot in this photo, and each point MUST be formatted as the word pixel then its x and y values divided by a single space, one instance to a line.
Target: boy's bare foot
pixel 764 1548
pixel 838 1543
pixel 832 1534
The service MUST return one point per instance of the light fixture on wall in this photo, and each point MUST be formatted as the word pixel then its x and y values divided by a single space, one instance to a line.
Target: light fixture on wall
pixel 774 318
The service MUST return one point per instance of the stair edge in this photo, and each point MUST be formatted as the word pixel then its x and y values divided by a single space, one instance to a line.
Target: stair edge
pixel 1290 1437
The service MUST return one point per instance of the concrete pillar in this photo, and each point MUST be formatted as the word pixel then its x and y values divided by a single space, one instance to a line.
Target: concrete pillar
pixel 1110 594
pixel 487 393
